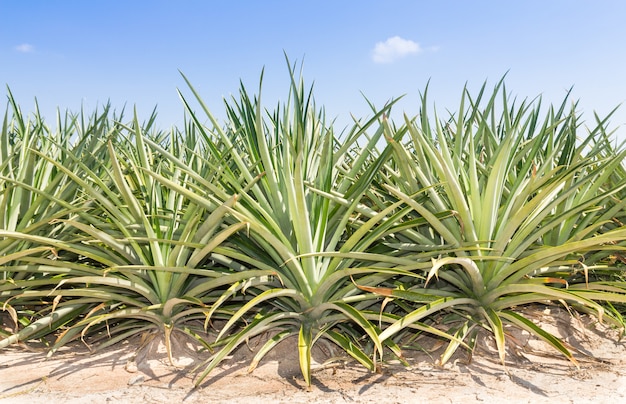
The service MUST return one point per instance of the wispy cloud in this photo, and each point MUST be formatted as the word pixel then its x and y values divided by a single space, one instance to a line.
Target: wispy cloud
pixel 393 49
pixel 25 48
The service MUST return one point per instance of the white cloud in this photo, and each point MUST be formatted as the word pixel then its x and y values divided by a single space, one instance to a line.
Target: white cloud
pixel 393 49
pixel 25 48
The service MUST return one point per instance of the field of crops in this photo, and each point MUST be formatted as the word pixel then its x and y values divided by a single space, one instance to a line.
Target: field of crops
pixel 271 222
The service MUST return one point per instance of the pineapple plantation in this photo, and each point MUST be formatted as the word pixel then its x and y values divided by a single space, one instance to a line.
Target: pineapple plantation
pixel 271 224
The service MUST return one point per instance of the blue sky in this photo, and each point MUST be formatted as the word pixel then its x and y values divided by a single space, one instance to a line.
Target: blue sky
pixel 73 53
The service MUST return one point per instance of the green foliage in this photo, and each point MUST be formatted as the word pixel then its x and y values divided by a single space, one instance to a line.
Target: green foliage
pixel 305 191
pixel 272 223
pixel 531 207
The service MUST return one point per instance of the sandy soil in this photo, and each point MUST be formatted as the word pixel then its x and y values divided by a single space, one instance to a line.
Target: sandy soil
pixel 533 374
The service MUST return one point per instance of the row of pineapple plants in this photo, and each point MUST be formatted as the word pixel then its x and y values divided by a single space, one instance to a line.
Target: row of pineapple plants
pixel 272 223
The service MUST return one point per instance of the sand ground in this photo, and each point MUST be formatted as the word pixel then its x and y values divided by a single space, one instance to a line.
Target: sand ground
pixel 533 373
